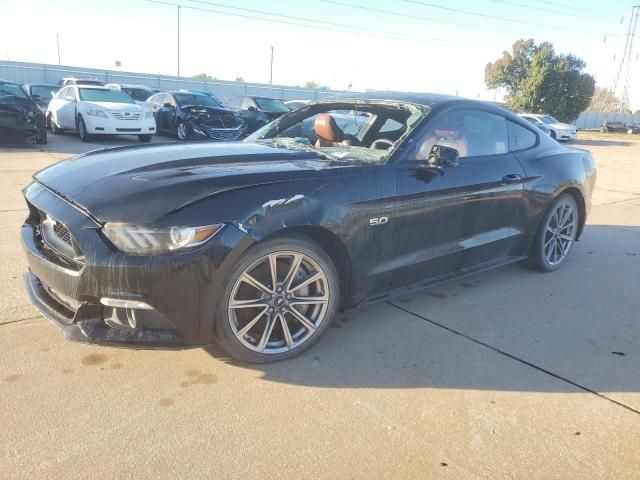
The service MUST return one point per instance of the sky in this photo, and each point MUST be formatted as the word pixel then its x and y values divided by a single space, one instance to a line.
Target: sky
pixel 409 45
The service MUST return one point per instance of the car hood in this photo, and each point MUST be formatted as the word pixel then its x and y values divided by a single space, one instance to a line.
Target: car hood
pixel 564 126
pixel 211 115
pixel 11 103
pixel 143 183
pixel 113 107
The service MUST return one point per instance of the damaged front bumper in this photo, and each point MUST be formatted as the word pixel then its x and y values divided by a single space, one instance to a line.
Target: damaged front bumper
pixel 96 294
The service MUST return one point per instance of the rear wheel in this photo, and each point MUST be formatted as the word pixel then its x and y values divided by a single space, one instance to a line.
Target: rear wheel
pixel 556 234
pixel 279 299
pixel 82 130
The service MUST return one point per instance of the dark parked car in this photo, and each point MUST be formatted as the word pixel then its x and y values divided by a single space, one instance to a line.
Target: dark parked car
pixel 20 117
pixel 191 115
pixel 257 111
pixel 40 93
pixel 257 244
pixel 621 127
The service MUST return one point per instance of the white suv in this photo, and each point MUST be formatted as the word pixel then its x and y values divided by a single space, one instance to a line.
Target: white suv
pixel 94 110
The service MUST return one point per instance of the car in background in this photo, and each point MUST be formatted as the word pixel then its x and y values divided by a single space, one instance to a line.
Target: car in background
pixel 20 117
pixel 97 110
pixel 185 114
pixel 257 111
pixel 208 94
pixel 620 127
pixel 139 93
pixel 293 104
pixel 80 81
pixel 559 131
pixel 537 122
pixel 41 93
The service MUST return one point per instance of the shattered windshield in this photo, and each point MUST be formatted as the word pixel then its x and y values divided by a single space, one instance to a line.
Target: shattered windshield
pixel 367 132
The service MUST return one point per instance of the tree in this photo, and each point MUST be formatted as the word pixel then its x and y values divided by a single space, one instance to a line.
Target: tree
pixel 240 79
pixel 202 76
pixel 637 112
pixel 311 84
pixel 605 101
pixel 538 80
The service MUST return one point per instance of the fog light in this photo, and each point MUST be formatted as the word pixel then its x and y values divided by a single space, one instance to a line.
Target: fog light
pixel 119 303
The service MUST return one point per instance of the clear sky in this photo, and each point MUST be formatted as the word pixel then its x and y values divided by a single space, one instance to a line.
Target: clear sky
pixel 405 45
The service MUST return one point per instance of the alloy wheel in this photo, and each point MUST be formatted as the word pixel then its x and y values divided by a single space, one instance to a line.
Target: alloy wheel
pixel 182 131
pixel 560 233
pixel 278 302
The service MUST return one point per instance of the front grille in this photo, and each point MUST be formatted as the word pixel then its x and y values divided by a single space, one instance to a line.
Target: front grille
pixel 128 130
pixel 62 233
pixel 126 115
pixel 224 133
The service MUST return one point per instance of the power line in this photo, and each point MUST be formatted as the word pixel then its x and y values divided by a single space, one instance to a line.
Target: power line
pixel 483 15
pixel 344 28
pixel 531 7
pixel 416 17
pixel 571 7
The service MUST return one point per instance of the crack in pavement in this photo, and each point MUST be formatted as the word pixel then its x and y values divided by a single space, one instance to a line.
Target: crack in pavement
pixel 14 210
pixel 19 320
pixel 518 359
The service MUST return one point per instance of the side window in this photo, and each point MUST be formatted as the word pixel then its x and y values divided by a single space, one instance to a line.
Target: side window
pixel 473 133
pixel 391 125
pixel 62 93
pixel 71 94
pixel 154 99
pixel 520 138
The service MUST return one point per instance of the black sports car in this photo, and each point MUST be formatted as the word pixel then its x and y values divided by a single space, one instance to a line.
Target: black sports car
pixel 257 111
pixel 41 93
pixel 188 115
pixel 621 127
pixel 257 244
pixel 20 117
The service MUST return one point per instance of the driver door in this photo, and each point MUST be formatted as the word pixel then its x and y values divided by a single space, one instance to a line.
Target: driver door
pixel 459 215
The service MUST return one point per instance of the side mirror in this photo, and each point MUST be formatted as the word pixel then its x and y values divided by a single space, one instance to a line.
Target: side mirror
pixel 252 109
pixel 36 97
pixel 167 105
pixel 441 156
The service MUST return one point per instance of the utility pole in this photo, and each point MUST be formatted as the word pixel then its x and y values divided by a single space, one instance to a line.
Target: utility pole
pixel 58 42
pixel 271 68
pixel 178 40
pixel 624 71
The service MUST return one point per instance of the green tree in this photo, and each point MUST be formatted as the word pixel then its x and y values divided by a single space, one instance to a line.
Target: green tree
pixel 240 78
pixel 202 76
pixel 311 84
pixel 538 80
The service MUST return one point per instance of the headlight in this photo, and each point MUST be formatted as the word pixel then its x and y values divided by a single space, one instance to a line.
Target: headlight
pixel 96 113
pixel 145 240
pixel 148 114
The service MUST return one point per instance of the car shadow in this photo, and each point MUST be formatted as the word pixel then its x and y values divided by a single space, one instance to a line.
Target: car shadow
pixel 511 329
pixel 588 142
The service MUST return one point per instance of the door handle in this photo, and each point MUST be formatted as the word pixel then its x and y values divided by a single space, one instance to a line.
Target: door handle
pixel 511 178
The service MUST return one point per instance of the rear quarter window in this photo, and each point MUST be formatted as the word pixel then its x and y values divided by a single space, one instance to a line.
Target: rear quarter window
pixel 520 138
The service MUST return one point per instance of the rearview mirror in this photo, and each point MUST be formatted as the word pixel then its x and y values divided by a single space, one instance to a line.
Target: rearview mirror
pixel 441 156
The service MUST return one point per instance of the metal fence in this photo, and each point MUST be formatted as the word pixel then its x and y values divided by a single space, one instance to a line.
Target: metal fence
pixel 596 119
pixel 24 72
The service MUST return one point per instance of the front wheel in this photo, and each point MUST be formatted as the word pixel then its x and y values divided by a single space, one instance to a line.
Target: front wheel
pixel 556 234
pixel 553 134
pixel 82 130
pixel 279 299
pixel 182 131
pixel 144 138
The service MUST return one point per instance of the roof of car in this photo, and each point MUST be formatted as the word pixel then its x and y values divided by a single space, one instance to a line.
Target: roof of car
pixel 8 81
pixel 42 85
pixel 428 99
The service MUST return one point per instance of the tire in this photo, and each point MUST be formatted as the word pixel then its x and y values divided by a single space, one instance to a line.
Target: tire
pixel 145 138
pixel 277 306
pixel 82 130
pixel 546 255
pixel 181 131
pixel 553 134
pixel 55 130
pixel 42 133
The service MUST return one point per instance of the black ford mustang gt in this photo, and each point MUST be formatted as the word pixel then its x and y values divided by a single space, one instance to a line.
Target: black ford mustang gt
pixel 257 244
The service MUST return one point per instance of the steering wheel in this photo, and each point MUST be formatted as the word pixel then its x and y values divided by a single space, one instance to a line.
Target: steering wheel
pixel 381 141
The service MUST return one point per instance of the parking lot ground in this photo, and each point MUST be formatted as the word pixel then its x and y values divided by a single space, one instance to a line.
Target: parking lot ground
pixel 507 374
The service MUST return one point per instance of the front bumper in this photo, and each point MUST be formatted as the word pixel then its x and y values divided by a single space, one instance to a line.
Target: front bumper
pixel 204 132
pixel 182 289
pixel 111 126
pixel 565 135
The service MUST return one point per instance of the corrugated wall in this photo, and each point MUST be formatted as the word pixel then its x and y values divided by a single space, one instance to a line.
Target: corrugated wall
pixel 23 72
pixel 596 119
